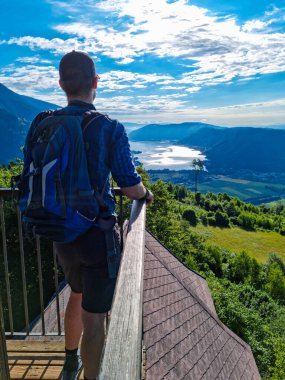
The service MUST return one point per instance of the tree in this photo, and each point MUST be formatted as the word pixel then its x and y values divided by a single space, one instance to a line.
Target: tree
pixel 197 165
pixel 240 267
pixel 222 219
pixel 275 284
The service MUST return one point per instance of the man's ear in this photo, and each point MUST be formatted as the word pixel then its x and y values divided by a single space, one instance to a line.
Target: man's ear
pixel 61 84
pixel 95 82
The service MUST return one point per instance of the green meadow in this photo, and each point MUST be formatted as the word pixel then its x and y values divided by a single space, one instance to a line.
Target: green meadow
pixel 258 244
pixel 242 189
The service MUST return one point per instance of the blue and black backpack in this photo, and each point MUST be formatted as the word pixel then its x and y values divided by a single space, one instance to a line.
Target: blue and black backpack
pixel 57 200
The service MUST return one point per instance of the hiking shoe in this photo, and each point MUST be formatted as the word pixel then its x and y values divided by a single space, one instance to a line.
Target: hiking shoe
pixel 71 367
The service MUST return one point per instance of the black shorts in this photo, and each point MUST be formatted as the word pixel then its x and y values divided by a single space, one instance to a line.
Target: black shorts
pixel 84 263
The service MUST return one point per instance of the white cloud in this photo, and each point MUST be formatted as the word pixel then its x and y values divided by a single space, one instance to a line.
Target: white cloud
pixel 251 25
pixel 221 49
pixel 33 59
pixel 119 79
pixel 218 50
pixel 55 45
pixel 32 80
pixel 173 88
pixel 125 61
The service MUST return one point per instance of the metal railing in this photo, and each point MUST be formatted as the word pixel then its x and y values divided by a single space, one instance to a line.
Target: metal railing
pixel 6 195
pixel 4 367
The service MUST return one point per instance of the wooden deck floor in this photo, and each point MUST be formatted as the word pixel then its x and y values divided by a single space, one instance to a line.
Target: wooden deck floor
pixel 36 359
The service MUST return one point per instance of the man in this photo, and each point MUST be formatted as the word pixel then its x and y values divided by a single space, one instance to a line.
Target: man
pixel 84 260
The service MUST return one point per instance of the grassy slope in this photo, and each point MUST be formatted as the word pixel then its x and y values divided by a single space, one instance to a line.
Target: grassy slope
pixel 282 201
pixel 258 244
pixel 242 189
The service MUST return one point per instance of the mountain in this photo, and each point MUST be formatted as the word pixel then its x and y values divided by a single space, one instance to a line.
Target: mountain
pixel 256 149
pixel 241 148
pixel 226 148
pixel 172 132
pixel 20 105
pixel 132 126
pixel 16 113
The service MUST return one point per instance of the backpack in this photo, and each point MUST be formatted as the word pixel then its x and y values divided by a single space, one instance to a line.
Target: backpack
pixel 56 199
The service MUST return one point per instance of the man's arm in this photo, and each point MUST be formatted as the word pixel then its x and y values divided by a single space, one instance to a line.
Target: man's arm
pixel 138 192
pixel 123 169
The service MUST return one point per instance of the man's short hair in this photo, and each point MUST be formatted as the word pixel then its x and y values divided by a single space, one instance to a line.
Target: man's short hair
pixel 76 73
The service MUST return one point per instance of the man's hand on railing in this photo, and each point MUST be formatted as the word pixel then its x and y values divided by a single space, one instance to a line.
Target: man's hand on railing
pixel 138 192
pixel 148 197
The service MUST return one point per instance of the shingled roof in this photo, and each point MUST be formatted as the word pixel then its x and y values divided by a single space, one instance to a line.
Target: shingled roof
pixel 182 335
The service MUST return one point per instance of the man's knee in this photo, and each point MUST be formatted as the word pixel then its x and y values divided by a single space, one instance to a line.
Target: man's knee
pixel 75 296
pixel 74 302
pixel 93 321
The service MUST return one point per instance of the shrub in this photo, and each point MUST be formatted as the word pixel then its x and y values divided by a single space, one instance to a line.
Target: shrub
pixel 246 220
pixel 275 284
pixel 190 216
pixel 222 219
pixel 211 220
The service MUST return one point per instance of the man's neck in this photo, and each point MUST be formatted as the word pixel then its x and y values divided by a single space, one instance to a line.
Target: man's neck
pixel 85 99
pixel 77 102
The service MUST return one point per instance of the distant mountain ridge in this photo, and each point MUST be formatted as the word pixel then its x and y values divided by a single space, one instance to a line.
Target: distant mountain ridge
pixel 16 113
pixel 226 148
pixel 172 132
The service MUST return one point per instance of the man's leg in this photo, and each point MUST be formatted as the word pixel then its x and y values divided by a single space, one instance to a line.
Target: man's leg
pixel 92 342
pixel 73 321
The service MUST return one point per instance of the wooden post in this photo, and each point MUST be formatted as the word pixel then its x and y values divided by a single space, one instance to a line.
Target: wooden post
pixel 123 348
pixel 4 366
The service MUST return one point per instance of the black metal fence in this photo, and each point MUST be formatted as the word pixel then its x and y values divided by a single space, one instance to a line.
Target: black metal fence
pixel 28 253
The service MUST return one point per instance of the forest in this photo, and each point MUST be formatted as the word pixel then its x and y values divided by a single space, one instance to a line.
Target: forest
pixel 249 295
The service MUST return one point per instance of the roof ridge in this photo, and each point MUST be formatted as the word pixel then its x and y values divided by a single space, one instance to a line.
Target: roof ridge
pixel 202 303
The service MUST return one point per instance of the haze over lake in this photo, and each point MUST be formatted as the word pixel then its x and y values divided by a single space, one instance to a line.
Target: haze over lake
pixel 164 155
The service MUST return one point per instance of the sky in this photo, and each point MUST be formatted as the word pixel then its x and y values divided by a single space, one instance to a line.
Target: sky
pixel 220 62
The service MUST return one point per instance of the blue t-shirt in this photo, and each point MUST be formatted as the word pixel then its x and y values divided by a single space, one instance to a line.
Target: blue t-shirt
pixel 108 152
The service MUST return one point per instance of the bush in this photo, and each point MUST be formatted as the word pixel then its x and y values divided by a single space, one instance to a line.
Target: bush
pixel 222 219
pixel 190 216
pixel 246 220
pixel 240 267
pixel 211 221
pixel 230 209
pixel 204 219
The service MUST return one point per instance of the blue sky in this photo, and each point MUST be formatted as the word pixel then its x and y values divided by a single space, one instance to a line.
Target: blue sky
pixel 221 62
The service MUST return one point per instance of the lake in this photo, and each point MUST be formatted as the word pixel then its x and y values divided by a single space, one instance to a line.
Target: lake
pixel 164 155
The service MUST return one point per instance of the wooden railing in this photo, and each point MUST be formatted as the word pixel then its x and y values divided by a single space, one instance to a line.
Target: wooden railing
pixel 123 347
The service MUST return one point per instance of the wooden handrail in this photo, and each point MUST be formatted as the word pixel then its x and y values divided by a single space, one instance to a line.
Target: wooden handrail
pixel 123 347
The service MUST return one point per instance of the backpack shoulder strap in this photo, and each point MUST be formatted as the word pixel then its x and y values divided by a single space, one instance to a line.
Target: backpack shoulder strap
pixel 34 127
pixel 41 116
pixel 89 117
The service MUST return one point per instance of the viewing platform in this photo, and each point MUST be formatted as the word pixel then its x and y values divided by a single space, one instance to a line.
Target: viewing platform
pixel 163 323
